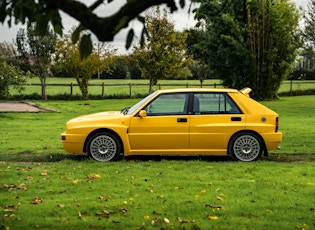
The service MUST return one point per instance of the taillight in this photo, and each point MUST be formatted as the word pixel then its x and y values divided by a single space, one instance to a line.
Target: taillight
pixel 277 124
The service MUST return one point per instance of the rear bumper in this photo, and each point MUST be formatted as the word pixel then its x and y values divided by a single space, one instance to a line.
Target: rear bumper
pixel 272 140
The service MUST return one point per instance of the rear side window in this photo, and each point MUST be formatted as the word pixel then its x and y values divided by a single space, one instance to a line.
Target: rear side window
pixel 214 103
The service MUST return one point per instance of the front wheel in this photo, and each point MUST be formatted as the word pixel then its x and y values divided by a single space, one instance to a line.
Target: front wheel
pixel 245 147
pixel 104 146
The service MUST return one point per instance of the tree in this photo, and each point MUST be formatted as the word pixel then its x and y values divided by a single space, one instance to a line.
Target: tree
pixel 10 76
pixel 250 43
pixel 69 61
pixel 164 53
pixel 309 31
pixel 36 53
pixel 45 12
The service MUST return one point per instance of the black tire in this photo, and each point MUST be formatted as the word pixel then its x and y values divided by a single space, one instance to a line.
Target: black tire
pixel 246 147
pixel 104 146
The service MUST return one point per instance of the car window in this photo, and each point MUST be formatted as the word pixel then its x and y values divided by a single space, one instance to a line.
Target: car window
pixel 140 103
pixel 168 104
pixel 214 103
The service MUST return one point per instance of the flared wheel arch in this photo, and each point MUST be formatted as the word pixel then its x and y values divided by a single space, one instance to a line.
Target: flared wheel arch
pixel 264 149
pixel 85 150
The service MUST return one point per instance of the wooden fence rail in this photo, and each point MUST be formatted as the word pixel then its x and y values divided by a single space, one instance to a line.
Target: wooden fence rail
pixel 130 85
pixel 160 86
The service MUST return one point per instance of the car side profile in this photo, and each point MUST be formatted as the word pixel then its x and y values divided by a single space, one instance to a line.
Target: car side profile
pixel 194 121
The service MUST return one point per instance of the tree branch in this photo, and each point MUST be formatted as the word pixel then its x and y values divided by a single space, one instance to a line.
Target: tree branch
pixel 113 24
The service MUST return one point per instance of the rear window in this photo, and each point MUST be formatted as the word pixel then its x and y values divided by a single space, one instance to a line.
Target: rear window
pixel 214 103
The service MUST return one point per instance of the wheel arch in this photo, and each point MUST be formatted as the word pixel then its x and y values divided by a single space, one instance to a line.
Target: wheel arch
pixel 98 131
pixel 265 152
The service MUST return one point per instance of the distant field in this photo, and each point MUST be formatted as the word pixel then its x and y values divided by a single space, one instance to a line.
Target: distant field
pixel 122 86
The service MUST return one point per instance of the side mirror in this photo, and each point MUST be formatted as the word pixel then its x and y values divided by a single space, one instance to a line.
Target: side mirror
pixel 142 113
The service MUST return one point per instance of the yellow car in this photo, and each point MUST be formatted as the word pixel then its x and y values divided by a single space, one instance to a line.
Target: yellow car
pixel 203 121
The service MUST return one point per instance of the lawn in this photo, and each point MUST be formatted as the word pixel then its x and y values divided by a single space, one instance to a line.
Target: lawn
pixel 42 187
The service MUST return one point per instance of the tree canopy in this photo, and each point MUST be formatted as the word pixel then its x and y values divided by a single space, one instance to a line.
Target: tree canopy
pixel 165 53
pixel 249 43
pixel 36 51
pixel 68 60
pixel 45 12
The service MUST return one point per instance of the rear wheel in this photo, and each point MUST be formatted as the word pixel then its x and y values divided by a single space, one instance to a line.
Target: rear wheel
pixel 245 147
pixel 104 146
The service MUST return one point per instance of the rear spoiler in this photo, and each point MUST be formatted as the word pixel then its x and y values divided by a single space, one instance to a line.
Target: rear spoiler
pixel 246 91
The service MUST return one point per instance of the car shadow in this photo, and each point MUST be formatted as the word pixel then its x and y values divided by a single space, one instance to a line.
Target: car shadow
pixel 30 158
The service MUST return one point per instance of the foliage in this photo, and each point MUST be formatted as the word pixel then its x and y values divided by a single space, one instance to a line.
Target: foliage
pixel 45 12
pixel 165 52
pixel 124 67
pixel 69 61
pixel 10 76
pixel 199 71
pixel 35 52
pixel 309 18
pixel 252 43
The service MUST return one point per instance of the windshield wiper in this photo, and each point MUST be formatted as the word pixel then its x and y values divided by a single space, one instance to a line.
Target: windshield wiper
pixel 125 110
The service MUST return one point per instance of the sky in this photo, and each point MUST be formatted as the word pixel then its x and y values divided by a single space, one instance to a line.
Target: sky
pixel 182 20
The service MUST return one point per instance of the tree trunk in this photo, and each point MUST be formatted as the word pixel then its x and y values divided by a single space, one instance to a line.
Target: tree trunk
pixel 43 86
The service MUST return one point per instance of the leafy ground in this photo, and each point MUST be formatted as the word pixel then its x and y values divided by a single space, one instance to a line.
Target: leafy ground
pixel 157 194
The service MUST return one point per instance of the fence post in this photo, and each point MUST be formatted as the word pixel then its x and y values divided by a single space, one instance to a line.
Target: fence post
pixel 215 85
pixel 103 90
pixel 187 85
pixel 71 89
pixel 291 87
pixel 130 90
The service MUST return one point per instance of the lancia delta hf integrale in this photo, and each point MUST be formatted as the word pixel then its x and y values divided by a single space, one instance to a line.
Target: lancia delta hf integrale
pixel 203 121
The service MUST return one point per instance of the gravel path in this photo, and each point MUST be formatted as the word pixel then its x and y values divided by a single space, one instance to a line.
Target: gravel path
pixel 21 107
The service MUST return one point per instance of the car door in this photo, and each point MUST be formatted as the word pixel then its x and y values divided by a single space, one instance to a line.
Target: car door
pixel 164 129
pixel 213 121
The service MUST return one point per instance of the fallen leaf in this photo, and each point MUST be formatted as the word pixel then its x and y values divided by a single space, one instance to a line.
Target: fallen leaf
pixel 219 198
pixel 93 176
pixel 124 210
pixel 166 220
pixel 146 217
pixel 203 191
pixel 213 217
pixel 22 187
pixel 214 206
pixel 37 200
pixel 75 181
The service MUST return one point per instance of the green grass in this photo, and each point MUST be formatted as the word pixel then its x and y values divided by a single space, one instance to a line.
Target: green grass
pixel 296 118
pixel 42 187
pixel 167 194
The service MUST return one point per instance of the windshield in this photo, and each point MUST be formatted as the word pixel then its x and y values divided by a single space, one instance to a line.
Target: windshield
pixel 140 103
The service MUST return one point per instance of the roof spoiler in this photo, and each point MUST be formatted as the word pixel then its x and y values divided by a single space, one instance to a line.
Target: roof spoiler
pixel 246 91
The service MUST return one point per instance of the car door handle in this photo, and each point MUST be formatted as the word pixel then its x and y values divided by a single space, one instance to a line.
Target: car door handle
pixel 181 119
pixel 236 118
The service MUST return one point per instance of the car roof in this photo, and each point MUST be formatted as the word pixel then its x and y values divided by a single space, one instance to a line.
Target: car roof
pixel 191 90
